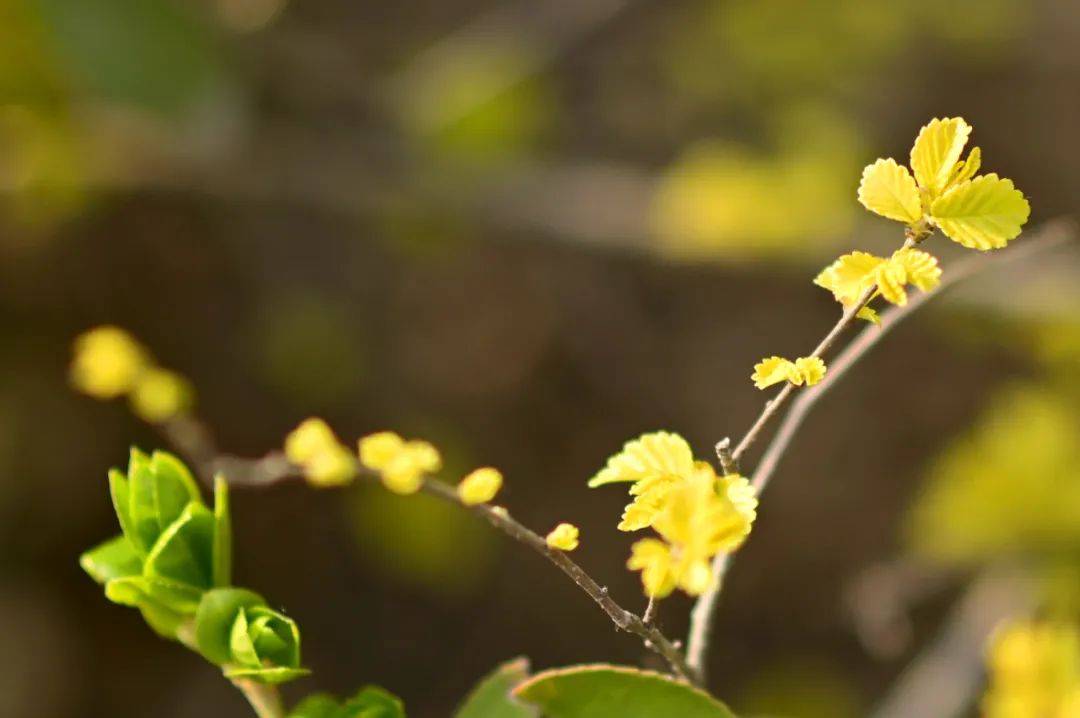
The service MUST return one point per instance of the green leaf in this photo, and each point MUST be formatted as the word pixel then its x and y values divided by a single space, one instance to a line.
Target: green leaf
pixel 215 618
pixel 222 534
pixel 177 476
pixel 120 491
pixel 372 702
pixel 319 705
pixel 164 622
pixel 275 636
pixel 183 552
pixel 271 674
pixel 603 691
pixel 115 558
pixel 142 503
pixel 491 697
pixel 160 488
pixel 142 591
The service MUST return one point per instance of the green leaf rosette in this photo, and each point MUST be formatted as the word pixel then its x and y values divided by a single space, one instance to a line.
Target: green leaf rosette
pixel 235 629
pixel 171 549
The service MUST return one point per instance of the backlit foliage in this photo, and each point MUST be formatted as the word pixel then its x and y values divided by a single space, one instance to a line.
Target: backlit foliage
pixel 564 537
pixel 804 370
pixel 699 516
pixel 695 512
pixel 983 212
pixel 851 276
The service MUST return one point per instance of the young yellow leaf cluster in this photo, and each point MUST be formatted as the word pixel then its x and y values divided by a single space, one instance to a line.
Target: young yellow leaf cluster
pixel 653 462
pixel 325 460
pixel 563 537
pixel 696 513
pixel 984 212
pixel 1034 671
pixel 108 363
pixel 773 370
pixel 401 464
pixel 700 517
pixel 480 486
pixel 852 275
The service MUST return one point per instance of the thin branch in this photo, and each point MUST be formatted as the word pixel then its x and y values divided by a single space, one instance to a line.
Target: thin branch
pixel 274 467
pixel 1048 236
pixel 623 619
pixel 773 406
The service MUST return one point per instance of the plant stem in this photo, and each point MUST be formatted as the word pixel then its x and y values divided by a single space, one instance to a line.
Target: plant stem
pixel 264 699
pixel 1051 234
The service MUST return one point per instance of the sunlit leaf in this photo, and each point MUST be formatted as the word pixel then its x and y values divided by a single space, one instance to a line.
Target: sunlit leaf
pixel 936 151
pixel 889 189
pixel 215 617
pixel 115 558
pixel 660 453
pixel 985 213
pixel 184 551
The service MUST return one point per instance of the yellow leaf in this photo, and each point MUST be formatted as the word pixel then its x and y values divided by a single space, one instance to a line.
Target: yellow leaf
pixel 563 537
pixel 401 464
pixel 850 276
pixel 808 370
pixel 772 370
pixel 653 558
pixel 891 278
pixel 333 467
pixel 936 151
pixel 869 315
pixel 967 169
pixel 326 462
pixel 312 437
pixel 921 268
pixel 480 486
pixel 660 453
pixel 889 189
pixel 984 213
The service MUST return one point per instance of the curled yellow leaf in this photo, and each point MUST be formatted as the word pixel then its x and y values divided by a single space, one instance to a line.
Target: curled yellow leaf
pixel 772 370
pixel 850 276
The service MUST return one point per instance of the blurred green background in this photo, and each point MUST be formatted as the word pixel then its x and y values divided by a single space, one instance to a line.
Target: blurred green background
pixel 527 230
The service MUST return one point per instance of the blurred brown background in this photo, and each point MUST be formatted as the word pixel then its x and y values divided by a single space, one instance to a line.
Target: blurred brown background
pixel 528 231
